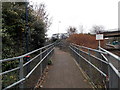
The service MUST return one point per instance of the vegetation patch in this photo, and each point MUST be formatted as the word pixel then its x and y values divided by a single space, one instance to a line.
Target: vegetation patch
pixel 87 40
pixel 50 62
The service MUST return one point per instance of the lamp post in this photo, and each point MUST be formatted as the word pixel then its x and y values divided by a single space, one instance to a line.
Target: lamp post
pixel 58 28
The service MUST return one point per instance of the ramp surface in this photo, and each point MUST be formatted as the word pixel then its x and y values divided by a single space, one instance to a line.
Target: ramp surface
pixel 64 73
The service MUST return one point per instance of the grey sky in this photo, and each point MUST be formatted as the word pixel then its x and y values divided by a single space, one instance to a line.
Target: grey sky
pixel 81 12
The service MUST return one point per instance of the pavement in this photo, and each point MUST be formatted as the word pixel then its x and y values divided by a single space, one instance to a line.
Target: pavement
pixel 64 73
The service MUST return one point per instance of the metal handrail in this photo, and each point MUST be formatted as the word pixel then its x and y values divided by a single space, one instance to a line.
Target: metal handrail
pixel 12 85
pixel 93 56
pixel 35 57
pixel 38 65
pixel 9 71
pixel 113 55
pixel 113 67
pixel 48 47
pixel 90 63
pixel 89 48
pixel 10 59
pixel 115 70
pixel 28 75
pixel 23 64
pixel 111 74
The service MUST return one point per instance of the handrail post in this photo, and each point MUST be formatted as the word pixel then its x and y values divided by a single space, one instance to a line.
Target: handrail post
pixel 79 54
pixel 108 76
pixel 90 70
pixel 53 49
pixel 119 72
pixel 41 62
pixel 21 73
pixel 119 66
pixel 48 49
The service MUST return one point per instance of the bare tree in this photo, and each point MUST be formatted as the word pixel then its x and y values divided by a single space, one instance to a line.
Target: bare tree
pixel 71 30
pixel 42 14
pixel 97 29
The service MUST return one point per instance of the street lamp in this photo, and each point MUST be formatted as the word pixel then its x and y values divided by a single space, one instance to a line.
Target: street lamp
pixel 58 28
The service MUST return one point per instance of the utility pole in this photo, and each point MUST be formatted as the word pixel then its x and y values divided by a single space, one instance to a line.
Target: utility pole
pixel 27 58
pixel 27 28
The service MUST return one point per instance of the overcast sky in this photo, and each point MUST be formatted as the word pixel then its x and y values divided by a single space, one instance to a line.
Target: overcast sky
pixel 67 13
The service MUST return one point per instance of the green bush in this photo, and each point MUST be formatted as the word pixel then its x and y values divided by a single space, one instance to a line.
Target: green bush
pixel 50 62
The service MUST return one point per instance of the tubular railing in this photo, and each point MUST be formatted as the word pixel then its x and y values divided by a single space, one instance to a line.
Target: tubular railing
pixel 96 64
pixel 29 67
pixel 113 69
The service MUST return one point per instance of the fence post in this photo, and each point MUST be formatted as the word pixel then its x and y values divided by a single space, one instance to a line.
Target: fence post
pixel 52 50
pixel 48 50
pixel 41 62
pixel 108 75
pixel 21 73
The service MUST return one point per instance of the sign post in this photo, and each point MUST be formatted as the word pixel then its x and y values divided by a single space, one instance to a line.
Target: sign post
pixel 99 37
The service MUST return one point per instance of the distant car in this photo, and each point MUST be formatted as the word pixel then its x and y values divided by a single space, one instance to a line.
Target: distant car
pixel 116 43
pixel 55 37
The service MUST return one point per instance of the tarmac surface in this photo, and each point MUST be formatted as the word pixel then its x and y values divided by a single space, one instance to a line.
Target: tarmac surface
pixel 64 73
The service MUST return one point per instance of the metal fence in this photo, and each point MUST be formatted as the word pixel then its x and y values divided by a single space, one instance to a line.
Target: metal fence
pixel 28 68
pixel 97 66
